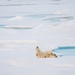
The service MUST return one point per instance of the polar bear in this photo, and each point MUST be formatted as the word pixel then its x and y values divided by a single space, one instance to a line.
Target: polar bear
pixel 46 54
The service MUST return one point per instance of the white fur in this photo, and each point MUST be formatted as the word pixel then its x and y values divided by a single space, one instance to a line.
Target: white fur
pixel 46 54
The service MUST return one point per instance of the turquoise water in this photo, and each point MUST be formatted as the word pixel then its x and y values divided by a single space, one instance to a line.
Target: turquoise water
pixel 65 51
